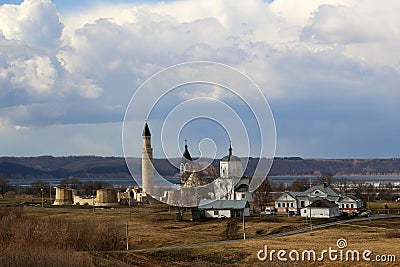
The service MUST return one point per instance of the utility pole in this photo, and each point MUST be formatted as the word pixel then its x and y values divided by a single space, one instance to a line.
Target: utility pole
pixel 287 205
pixel 244 227
pixel 93 198
pixel 41 189
pixel 127 238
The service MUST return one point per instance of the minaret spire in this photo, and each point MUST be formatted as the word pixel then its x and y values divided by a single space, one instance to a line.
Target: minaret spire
pixel 146 129
pixel 147 161
pixel 230 148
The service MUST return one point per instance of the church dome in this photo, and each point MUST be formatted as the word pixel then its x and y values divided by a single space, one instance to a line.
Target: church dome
pixel 230 157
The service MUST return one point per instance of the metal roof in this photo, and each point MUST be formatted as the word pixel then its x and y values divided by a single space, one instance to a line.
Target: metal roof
pixel 222 204
pixel 230 158
pixel 186 155
pixel 351 197
pixel 146 130
pixel 322 203
pixel 326 189
pixel 294 194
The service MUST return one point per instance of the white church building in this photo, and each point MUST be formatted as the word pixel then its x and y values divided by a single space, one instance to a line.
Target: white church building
pixel 230 185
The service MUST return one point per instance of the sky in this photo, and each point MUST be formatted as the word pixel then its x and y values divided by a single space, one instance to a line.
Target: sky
pixel 330 70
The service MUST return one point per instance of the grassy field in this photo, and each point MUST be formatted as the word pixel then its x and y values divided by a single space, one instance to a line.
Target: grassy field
pixel 79 236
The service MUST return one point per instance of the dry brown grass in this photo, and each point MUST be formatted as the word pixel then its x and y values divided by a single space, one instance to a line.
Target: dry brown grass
pixel 380 204
pixel 81 237
pixel 244 253
pixel 52 241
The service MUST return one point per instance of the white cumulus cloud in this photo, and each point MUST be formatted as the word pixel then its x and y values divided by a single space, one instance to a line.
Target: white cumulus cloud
pixel 35 22
pixel 36 74
pixel 314 58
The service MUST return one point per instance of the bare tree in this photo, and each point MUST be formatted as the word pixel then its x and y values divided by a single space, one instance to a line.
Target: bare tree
pixel 359 189
pixel 342 184
pixel 91 186
pixel 326 178
pixel 279 187
pixel 37 186
pixel 299 185
pixel 71 182
pixel 386 191
pixel 262 194
pixel 3 186
pixel 211 172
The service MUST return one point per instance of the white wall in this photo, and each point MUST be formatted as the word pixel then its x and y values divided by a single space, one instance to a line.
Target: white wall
pixel 320 212
pixel 231 168
pixel 221 214
pixel 247 195
pixel 83 201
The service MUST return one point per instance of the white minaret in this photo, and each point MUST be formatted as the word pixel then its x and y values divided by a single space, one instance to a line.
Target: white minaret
pixel 147 161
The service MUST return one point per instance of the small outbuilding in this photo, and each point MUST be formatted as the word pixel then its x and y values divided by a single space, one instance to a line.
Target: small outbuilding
pixel 321 208
pixel 224 208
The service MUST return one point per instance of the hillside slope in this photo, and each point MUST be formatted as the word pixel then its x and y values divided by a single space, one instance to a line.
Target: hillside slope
pixel 94 166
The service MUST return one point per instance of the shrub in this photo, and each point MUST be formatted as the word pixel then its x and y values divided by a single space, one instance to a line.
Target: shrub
pixel 231 230
pixel 393 234
pixel 259 231
pixel 9 194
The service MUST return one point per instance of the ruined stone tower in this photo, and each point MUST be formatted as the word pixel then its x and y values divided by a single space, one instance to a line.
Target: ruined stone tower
pixel 147 161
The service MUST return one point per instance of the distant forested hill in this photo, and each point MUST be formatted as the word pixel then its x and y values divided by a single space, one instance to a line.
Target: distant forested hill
pixel 94 166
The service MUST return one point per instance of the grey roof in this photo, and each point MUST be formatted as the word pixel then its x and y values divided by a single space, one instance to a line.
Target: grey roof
pixel 322 203
pixel 352 197
pixel 222 204
pixel 146 130
pixel 242 188
pixel 230 157
pixel 186 155
pixel 326 189
pixel 294 194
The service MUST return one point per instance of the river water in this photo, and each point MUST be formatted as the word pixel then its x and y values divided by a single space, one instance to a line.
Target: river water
pixel 120 182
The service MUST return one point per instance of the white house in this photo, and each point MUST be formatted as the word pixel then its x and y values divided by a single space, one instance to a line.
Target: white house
pixel 295 201
pixel 349 204
pixel 287 202
pixel 224 208
pixel 321 208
